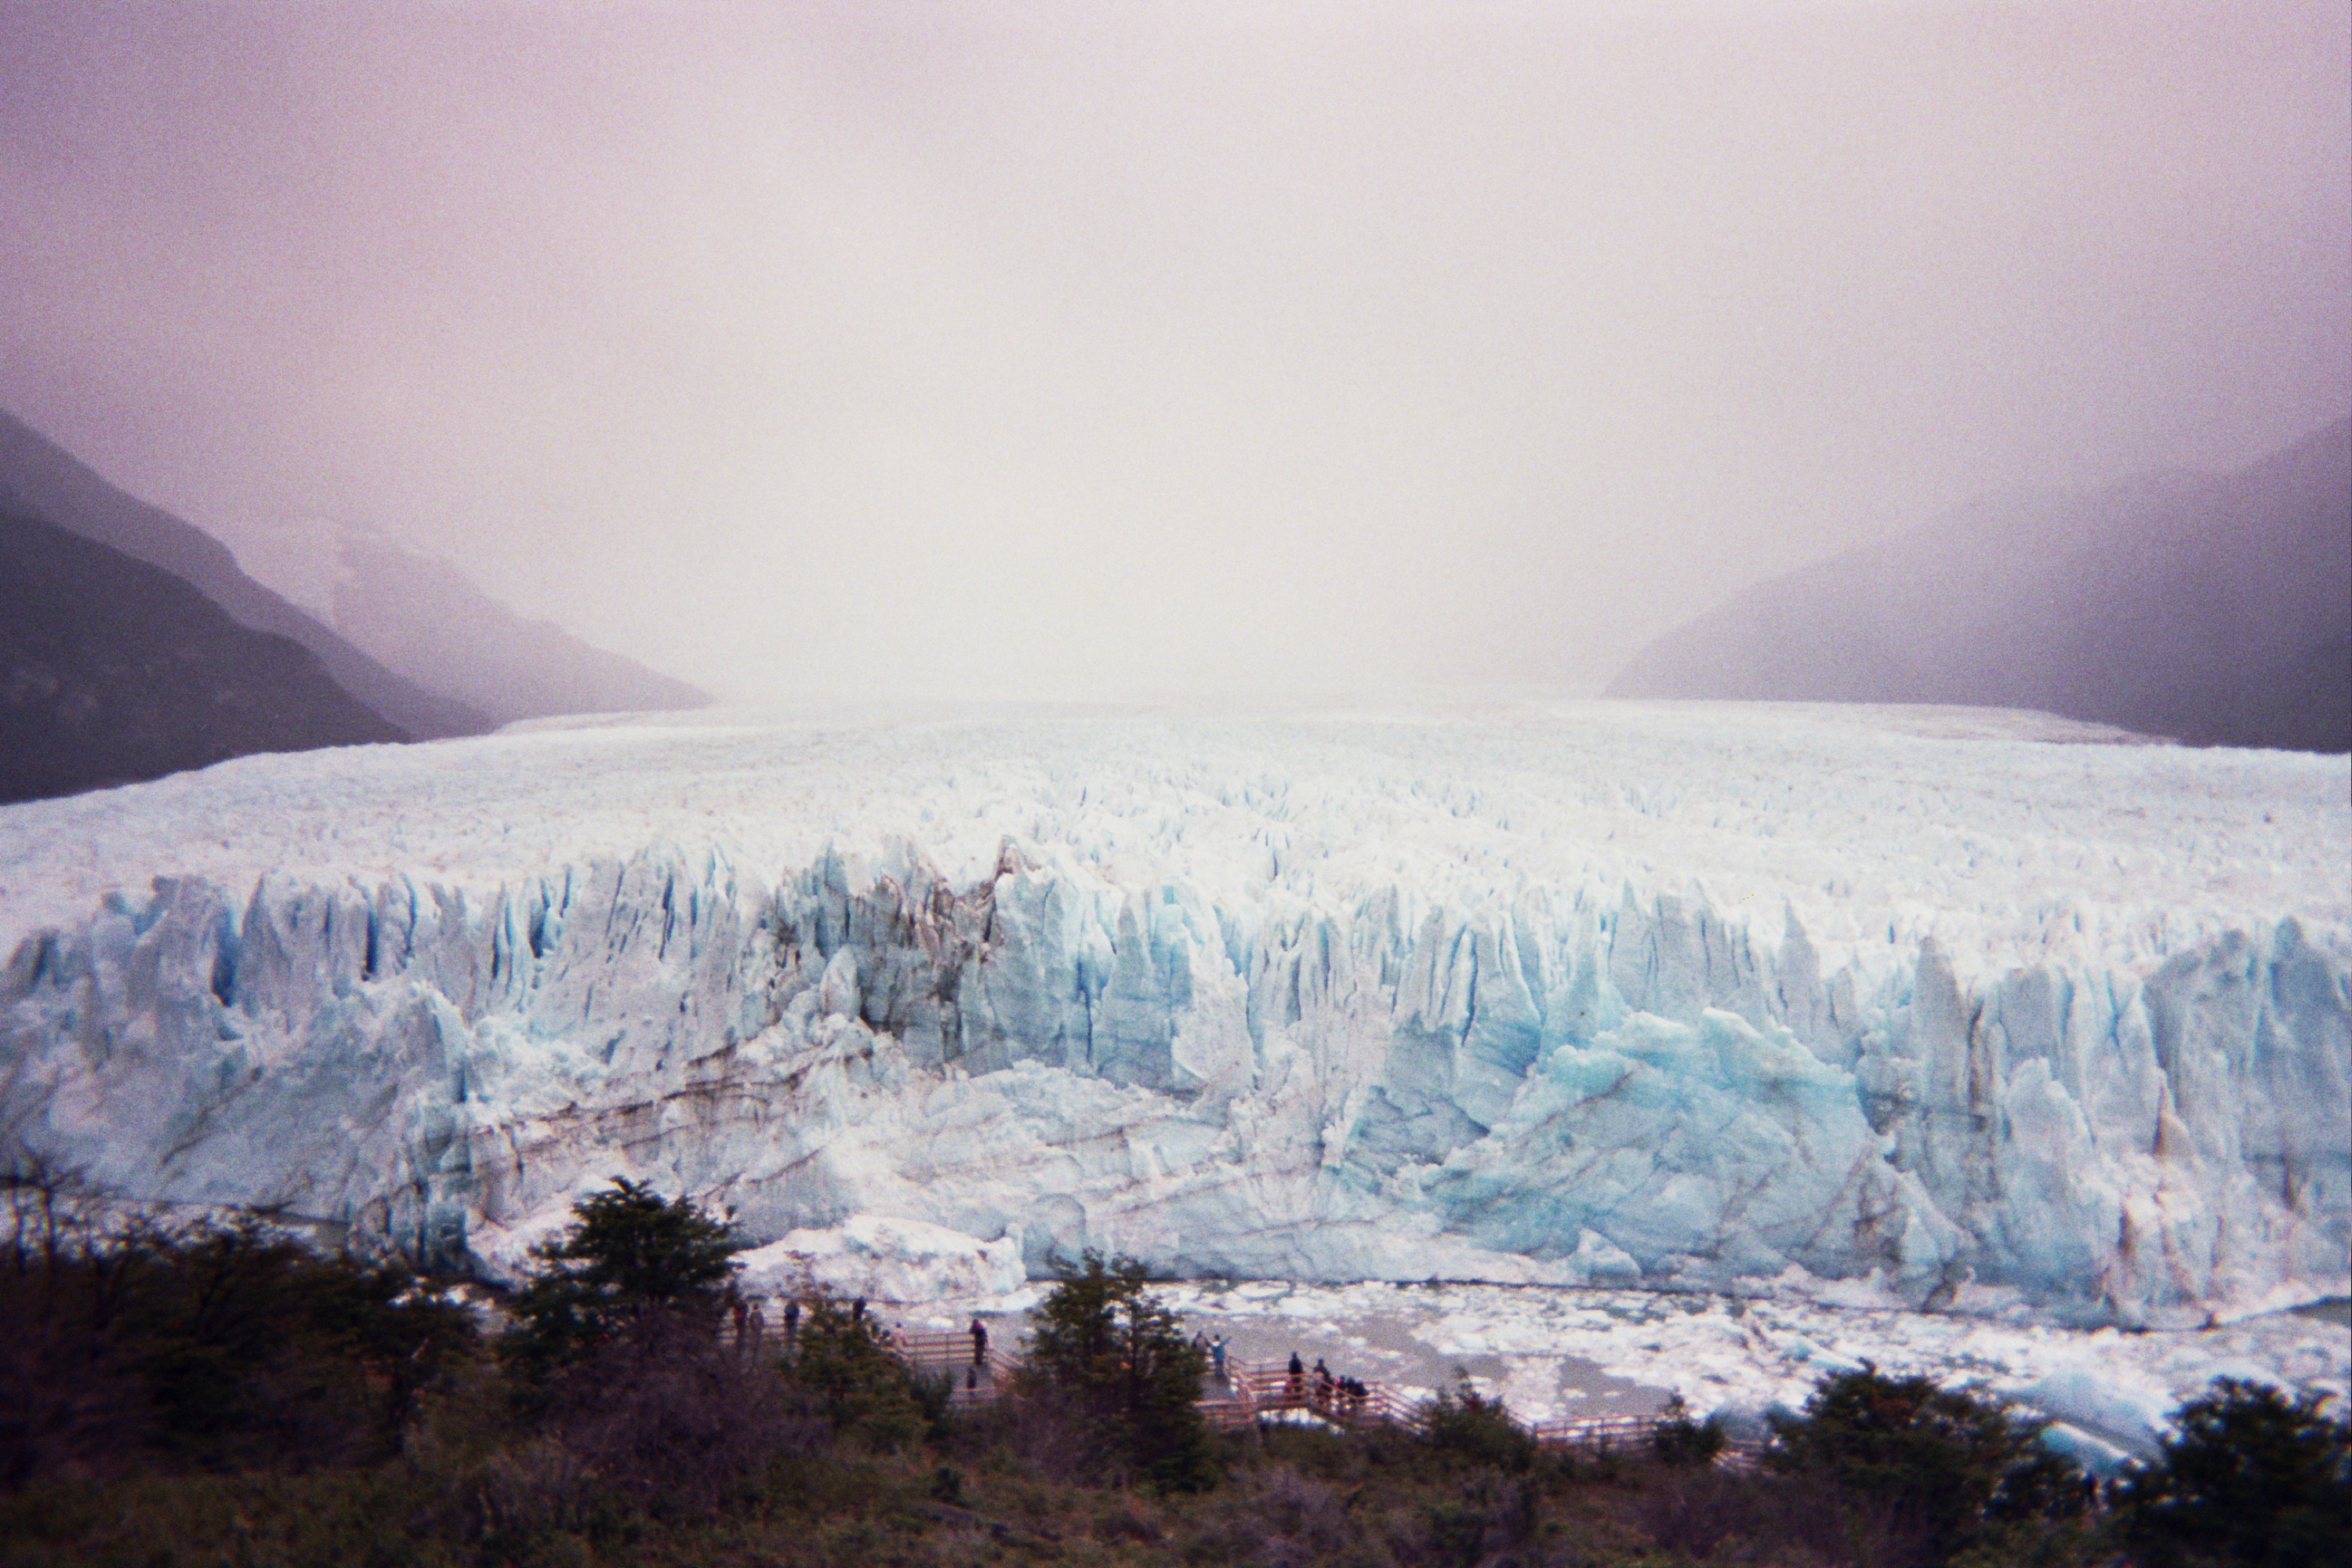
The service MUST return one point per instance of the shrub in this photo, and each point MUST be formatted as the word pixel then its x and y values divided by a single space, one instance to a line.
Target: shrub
pixel 627 1250
pixel 857 1384
pixel 2250 1477
pixel 1466 1425
pixel 1491 1519
pixel 1038 1432
pixel 1699 1512
pixel 1951 1464
pixel 225 1344
pixel 1110 1350
pixel 1679 1440
pixel 662 1411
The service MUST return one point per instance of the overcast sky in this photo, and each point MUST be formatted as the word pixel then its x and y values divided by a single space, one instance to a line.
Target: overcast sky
pixel 1105 346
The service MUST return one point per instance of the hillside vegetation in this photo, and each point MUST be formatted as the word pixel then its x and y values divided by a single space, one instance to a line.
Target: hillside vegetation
pixel 221 1393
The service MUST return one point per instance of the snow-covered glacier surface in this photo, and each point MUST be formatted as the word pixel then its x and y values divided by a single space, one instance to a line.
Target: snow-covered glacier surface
pixel 1861 1005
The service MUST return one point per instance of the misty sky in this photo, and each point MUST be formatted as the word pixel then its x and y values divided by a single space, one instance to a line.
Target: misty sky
pixel 1104 346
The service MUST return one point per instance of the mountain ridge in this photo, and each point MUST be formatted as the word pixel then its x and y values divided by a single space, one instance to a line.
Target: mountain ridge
pixel 2213 610
pixel 426 620
pixel 409 637
pixel 114 671
pixel 48 481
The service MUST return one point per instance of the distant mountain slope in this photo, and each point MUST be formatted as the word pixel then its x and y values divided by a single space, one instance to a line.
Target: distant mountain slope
pixel 49 482
pixel 112 670
pixel 424 620
pixel 2216 610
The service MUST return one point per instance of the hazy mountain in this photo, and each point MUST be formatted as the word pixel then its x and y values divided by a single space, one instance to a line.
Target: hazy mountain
pixel 112 670
pixel 425 619
pixel 2216 609
pixel 411 638
pixel 49 482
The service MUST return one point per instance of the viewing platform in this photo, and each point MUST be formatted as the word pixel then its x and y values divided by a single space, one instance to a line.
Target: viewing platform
pixel 1252 1393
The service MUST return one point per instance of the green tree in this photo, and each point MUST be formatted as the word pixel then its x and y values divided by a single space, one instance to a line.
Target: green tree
pixel 1680 1440
pixel 221 1344
pixel 397 1325
pixel 2250 1477
pixel 254 1347
pixel 864 1388
pixel 1465 1422
pixel 628 1251
pixel 1102 1341
pixel 1957 1468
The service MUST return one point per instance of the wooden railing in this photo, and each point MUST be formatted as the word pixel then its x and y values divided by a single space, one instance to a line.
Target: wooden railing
pixel 977 1374
pixel 1597 1431
pixel 1251 1392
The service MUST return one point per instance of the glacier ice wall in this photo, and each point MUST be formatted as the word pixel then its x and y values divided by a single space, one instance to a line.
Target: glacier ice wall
pixel 1564 1082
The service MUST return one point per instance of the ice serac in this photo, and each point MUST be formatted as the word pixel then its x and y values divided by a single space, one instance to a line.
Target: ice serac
pixel 1587 1083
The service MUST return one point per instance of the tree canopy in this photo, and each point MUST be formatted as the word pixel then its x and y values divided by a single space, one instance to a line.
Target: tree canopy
pixel 1954 1468
pixel 2250 1478
pixel 1105 1343
pixel 627 1251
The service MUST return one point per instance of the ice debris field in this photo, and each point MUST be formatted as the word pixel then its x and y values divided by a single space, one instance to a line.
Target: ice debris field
pixel 1835 1010
pixel 1554 1353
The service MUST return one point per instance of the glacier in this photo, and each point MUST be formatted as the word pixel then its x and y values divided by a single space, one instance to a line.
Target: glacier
pixel 1952 1008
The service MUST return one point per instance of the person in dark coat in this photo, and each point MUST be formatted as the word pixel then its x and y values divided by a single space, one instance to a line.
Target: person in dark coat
pixel 978 1342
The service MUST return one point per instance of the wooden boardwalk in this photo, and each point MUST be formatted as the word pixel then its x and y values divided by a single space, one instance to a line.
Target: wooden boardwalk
pixel 977 1376
pixel 1250 1394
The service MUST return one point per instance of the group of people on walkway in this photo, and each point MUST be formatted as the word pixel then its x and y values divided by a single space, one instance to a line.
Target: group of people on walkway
pixel 1339 1398
pixel 1316 1388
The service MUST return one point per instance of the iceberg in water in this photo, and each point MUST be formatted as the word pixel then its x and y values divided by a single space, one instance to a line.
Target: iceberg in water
pixel 1919 1006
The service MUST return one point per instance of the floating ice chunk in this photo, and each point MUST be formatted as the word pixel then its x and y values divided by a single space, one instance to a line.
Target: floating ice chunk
pixel 2126 1411
pixel 2095 1454
pixel 1805 1352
